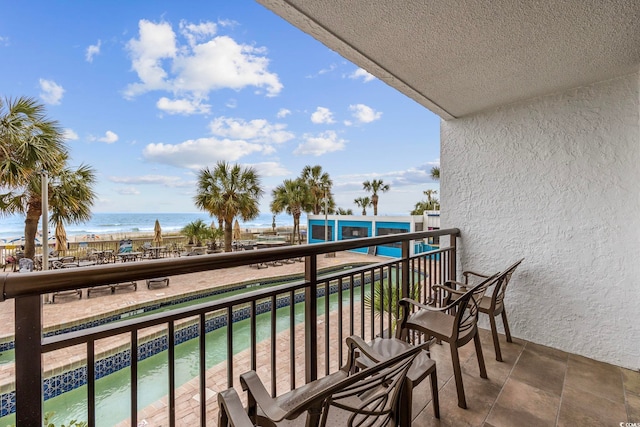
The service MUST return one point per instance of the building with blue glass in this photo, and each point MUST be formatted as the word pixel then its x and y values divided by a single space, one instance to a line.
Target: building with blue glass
pixel 321 228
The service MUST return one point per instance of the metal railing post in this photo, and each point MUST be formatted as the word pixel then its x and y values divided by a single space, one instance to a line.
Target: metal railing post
pixel 28 321
pixel 311 318
pixel 452 258
pixel 405 268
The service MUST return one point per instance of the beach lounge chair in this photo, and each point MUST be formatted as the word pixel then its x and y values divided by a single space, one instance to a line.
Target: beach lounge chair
pixel 158 282
pixel 124 285
pixel 102 288
pixel 344 398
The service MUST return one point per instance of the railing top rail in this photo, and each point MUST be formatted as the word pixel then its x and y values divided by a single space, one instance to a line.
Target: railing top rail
pixel 68 339
pixel 43 282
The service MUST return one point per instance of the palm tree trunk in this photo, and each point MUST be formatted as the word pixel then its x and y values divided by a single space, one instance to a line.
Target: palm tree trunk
pixel 228 234
pixel 34 211
pixel 374 200
pixel 296 229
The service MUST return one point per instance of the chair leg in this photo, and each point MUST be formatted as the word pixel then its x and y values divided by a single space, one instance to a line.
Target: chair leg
pixel 457 373
pixel 483 370
pixel 496 341
pixel 507 332
pixel 434 394
pixel 404 415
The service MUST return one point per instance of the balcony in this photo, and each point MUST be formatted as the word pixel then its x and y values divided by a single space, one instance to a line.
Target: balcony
pixel 535 385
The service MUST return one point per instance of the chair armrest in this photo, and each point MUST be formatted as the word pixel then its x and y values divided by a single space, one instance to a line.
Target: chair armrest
pixel 252 384
pixel 405 302
pixel 231 410
pixel 468 273
pixel 445 288
pixel 355 341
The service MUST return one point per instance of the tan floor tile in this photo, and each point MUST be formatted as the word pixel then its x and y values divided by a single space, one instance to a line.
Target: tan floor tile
pixel 633 408
pixel 541 369
pixel 601 379
pixel 522 405
pixel 631 380
pixel 579 407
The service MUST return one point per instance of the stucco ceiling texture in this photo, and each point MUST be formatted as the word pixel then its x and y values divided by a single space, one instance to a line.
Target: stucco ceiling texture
pixel 465 56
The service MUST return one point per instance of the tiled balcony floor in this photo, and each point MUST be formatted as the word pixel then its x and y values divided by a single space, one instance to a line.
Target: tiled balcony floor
pixel 534 386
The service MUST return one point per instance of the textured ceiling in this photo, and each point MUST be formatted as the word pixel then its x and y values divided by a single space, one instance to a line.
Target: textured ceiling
pixel 461 57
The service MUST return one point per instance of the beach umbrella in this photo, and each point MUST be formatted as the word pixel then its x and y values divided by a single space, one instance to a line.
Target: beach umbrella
pixel 236 230
pixel 157 234
pixel 61 237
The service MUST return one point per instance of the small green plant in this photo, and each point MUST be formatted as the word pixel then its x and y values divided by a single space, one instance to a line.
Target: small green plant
pixel 386 297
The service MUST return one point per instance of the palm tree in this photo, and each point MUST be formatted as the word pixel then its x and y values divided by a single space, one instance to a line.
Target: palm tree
pixel 430 193
pixel 363 202
pixel 294 197
pixel 228 192
pixel 435 173
pixel 318 183
pixel 375 186
pixel 29 144
pixel 341 211
pixel 426 205
pixel 196 231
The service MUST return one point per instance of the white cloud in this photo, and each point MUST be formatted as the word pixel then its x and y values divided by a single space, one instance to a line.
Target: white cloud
pixel 128 191
pixel 4 41
pixel 329 69
pixel 51 92
pixel 323 143
pixel 167 181
pixel 362 74
pixel 282 113
pixel 109 137
pixel 231 103
pixel 182 106
pixel 156 42
pixel 258 130
pixel 198 153
pixel 197 32
pixel 268 169
pixel 92 51
pixel 364 114
pixel 70 135
pixel 204 62
pixel 322 115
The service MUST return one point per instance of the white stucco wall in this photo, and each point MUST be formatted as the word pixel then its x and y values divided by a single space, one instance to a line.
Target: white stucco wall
pixel 555 180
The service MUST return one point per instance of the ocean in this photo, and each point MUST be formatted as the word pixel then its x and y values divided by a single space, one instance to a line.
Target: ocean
pixel 105 224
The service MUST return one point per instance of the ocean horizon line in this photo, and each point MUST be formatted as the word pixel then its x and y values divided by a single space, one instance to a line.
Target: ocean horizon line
pixel 102 223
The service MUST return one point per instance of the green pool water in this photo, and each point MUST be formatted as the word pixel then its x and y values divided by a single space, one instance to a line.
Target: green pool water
pixel 113 391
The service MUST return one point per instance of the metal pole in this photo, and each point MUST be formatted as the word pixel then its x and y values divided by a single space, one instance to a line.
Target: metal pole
pixel 45 220
pixel 45 226
pixel 326 219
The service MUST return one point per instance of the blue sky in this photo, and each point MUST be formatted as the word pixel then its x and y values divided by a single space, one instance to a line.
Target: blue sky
pixel 150 92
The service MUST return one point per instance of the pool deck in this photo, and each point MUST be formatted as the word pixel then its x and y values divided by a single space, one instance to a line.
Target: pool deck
pixel 71 310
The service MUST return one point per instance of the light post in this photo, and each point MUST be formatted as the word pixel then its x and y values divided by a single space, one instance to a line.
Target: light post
pixel 326 222
pixel 326 218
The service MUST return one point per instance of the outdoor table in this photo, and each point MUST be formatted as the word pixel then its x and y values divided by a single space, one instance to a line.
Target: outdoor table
pixel 128 256
pixel 155 251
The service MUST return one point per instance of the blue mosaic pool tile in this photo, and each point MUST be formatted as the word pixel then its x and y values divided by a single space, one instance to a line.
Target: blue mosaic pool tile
pixel 7 403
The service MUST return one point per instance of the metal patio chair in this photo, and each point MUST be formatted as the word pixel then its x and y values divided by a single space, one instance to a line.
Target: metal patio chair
pixel 455 323
pixel 492 305
pixel 370 397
